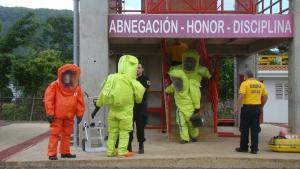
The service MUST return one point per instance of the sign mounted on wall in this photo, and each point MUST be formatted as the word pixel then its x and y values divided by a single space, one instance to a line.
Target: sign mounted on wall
pixel 200 26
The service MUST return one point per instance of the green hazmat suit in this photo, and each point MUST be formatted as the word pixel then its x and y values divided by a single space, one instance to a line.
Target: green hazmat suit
pixel 195 73
pixel 120 91
pixel 185 107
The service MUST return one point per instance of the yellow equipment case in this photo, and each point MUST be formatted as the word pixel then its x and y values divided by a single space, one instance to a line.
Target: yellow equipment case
pixel 285 145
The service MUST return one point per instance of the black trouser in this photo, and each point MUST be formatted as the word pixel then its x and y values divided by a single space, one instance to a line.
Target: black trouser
pixel 250 120
pixel 140 120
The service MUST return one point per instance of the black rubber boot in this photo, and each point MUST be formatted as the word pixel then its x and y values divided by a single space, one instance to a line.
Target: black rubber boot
pixel 129 147
pixel 53 158
pixel 141 148
pixel 68 156
pixel 194 139
pixel 238 149
pixel 183 142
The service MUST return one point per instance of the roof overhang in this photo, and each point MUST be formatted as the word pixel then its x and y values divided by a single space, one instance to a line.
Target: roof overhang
pixel 272 74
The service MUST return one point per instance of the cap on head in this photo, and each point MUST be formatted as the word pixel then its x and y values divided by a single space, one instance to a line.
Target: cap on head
pixel 249 73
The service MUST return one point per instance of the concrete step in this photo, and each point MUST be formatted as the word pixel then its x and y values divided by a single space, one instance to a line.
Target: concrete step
pixel 161 163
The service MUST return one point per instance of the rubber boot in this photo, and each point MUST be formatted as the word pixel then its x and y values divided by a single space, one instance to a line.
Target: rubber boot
pixel 129 148
pixel 141 148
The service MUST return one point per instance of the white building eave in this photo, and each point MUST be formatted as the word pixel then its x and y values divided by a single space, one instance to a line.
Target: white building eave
pixel 272 74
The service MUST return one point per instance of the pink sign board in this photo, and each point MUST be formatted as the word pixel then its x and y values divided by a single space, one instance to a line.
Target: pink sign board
pixel 200 26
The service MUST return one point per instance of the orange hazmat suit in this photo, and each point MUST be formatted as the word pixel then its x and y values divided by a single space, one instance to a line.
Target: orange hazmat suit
pixel 62 102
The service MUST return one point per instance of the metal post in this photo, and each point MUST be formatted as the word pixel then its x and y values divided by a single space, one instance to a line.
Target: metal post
pixel 235 88
pixel 75 58
pixel 294 68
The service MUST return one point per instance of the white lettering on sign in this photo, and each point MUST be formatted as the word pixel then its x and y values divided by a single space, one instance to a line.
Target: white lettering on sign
pixel 195 26
pixel 205 26
pixel 261 26
pixel 143 26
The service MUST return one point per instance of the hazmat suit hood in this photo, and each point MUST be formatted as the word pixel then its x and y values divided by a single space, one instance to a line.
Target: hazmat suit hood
pixel 190 61
pixel 68 78
pixel 128 65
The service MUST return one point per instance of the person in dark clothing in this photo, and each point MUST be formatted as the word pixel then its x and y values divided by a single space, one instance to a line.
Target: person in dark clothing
pixel 253 96
pixel 140 113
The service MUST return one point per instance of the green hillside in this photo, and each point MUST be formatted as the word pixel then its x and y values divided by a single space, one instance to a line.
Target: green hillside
pixel 9 15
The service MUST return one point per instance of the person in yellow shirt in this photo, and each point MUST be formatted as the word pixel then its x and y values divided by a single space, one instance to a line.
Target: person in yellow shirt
pixel 252 96
pixel 176 50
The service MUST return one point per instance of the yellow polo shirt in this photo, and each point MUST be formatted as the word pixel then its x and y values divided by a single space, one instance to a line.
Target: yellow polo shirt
pixel 176 51
pixel 252 90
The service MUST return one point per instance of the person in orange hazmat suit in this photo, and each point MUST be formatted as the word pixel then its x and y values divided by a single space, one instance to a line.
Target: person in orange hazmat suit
pixel 63 100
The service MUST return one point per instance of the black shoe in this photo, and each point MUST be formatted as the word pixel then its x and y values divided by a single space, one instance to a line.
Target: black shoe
pixel 129 148
pixel 238 149
pixel 141 151
pixel 68 156
pixel 254 151
pixel 183 142
pixel 141 148
pixel 194 140
pixel 53 158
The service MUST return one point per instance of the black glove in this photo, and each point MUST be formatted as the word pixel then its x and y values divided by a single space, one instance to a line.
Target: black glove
pixel 50 119
pixel 196 111
pixel 79 119
pixel 95 111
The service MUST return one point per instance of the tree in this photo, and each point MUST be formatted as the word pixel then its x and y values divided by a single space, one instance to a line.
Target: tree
pixel 5 69
pixel 33 74
pixel 20 33
pixel 60 33
pixel 226 85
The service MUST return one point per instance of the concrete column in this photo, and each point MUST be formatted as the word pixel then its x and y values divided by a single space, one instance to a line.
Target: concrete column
pixel 246 63
pixel 294 69
pixel 93 44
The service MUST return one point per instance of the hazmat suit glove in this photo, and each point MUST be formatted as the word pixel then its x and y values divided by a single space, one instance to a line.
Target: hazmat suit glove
pixel 95 111
pixel 196 111
pixel 50 119
pixel 79 119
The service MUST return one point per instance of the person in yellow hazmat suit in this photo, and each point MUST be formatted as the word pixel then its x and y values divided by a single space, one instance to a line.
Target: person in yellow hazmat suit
pixel 185 107
pixel 120 91
pixel 194 73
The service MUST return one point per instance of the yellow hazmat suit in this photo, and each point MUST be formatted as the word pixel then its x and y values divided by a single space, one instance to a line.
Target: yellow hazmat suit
pixel 120 91
pixel 185 107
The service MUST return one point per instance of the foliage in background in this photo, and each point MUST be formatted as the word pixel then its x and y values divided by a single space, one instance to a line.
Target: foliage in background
pixel 9 15
pixel 20 33
pixel 5 70
pixel 32 47
pixel 226 86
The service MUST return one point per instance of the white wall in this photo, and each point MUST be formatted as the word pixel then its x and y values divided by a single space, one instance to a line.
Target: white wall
pixel 276 110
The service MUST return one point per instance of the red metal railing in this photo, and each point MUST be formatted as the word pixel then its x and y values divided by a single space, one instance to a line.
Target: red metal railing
pixel 213 83
pixel 166 81
pixel 272 6
pixel 160 110
pixel 200 6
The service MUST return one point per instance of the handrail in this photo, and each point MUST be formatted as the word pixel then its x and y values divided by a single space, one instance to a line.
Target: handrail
pixel 199 6
pixel 271 6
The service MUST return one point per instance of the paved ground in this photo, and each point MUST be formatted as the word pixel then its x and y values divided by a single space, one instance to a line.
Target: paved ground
pixel 17 133
pixel 4 123
pixel 216 153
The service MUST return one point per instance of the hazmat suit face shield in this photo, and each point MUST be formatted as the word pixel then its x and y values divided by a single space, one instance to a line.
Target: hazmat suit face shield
pixel 177 83
pixel 189 64
pixel 68 78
